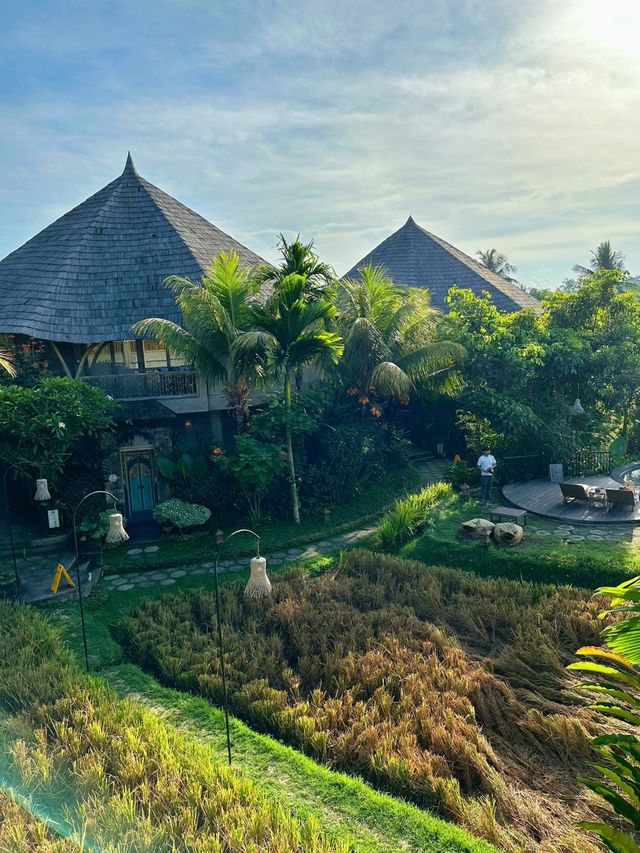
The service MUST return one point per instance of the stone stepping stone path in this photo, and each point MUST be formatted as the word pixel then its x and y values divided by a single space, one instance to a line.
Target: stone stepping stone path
pixel 169 576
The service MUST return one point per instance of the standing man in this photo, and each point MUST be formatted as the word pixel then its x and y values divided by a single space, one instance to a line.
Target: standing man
pixel 486 464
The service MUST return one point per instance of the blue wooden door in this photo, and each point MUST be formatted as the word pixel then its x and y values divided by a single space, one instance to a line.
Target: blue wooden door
pixel 140 486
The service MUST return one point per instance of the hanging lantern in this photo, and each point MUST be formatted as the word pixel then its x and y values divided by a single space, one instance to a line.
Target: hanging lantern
pixel 42 491
pixel 116 532
pixel 258 584
pixel 576 409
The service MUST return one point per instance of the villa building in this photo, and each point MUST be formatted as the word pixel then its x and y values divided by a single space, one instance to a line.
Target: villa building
pixel 80 285
pixel 414 257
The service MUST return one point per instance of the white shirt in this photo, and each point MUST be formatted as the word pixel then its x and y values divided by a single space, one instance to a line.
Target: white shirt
pixel 485 462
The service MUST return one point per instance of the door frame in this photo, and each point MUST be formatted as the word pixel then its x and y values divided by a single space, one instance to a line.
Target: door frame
pixel 126 453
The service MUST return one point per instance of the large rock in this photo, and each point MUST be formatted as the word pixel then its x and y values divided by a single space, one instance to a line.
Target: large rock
pixel 508 533
pixel 478 527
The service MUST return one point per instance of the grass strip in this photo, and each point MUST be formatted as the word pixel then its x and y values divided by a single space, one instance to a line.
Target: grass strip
pixel 549 559
pixel 344 806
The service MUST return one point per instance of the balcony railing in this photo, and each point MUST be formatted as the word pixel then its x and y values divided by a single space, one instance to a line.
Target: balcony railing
pixel 135 386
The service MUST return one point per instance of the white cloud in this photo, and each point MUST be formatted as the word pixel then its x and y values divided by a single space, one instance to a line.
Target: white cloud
pixel 493 124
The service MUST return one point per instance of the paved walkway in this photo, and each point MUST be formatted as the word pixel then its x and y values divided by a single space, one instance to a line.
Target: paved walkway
pixel 167 577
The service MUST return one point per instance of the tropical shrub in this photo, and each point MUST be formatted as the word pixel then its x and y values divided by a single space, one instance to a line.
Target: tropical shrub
pixel 411 514
pixel 115 769
pixel 430 683
pixel 254 466
pixel 40 426
pixel 180 514
pixel 460 473
pixel 615 683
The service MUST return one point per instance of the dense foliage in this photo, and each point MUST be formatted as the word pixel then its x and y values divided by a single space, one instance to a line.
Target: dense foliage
pixel 614 683
pixel 116 770
pixel 431 683
pixel 40 426
pixel 525 369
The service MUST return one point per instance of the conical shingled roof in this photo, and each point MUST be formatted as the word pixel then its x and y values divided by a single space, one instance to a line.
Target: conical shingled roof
pixel 91 274
pixel 413 256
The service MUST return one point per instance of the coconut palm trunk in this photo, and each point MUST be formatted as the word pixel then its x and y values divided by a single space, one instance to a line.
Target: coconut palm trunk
pixel 295 504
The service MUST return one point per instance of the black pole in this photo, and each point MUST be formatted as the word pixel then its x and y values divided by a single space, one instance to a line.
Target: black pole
pixel 221 540
pixel 10 529
pixel 75 545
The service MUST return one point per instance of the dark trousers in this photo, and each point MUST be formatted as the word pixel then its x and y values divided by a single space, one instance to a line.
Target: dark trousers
pixel 485 486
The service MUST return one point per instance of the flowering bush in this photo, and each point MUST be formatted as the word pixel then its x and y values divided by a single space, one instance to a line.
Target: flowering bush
pixel 180 514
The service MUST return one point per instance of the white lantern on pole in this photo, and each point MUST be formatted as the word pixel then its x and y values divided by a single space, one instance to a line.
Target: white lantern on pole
pixel 116 532
pixel 42 491
pixel 258 584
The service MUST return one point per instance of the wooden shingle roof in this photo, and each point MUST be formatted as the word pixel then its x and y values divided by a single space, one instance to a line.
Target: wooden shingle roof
pixel 91 274
pixel 413 256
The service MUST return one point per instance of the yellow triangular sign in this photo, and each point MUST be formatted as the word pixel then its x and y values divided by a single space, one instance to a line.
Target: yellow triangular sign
pixel 60 572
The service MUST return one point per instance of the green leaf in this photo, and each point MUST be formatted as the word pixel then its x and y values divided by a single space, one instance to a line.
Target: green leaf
pixel 166 466
pixel 620 805
pixel 615 839
pixel 588 666
pixel 629 786
pixel 616 740
pixel 610 710
pixel 617 693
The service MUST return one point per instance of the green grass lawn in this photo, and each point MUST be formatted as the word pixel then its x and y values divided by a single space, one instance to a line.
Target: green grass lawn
pixel 345 807
pixel 541 558
pixel 275 535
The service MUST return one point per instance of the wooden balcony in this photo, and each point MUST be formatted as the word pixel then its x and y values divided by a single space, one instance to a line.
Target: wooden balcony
pixel 150 384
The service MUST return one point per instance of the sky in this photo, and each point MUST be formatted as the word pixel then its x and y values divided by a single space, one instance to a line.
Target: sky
pixel 495 123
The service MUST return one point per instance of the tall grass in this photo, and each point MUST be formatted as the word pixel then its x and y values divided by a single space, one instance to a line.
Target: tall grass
pixel 431 683
pixel 409 515
pixel 20 831
pixel 130 781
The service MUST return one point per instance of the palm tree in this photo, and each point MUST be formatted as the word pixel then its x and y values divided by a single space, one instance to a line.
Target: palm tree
pixel 6 362
pixel 493 260
pixel 290 332
pixel 299 258
pixel 603 258
pixel 215 312
pixel 390 341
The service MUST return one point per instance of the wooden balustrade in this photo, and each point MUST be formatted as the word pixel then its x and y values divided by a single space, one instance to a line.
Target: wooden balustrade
pixel 151 383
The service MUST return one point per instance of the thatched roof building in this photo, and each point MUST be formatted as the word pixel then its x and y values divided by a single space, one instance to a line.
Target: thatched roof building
pixel 91 274
pixel 413 256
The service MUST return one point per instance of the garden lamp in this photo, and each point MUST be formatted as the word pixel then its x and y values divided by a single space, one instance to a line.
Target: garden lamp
pixel 116 532
pixel 42 491
pixel 576 408
pixel 258 586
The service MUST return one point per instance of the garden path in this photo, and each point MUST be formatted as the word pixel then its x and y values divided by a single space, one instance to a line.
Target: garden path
pixel 431 470
pixel 126 581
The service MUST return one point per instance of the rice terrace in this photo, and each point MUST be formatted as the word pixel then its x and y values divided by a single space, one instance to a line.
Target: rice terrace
pixel 320 427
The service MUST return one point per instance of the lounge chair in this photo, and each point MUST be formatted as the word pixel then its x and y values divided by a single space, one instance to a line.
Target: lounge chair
pixel 621 497
pixel 574 492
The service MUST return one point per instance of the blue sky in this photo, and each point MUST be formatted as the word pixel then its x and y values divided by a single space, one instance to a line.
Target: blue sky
pixel 495 123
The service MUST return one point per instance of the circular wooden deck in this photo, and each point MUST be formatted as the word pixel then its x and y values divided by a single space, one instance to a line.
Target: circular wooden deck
pixel 540 497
